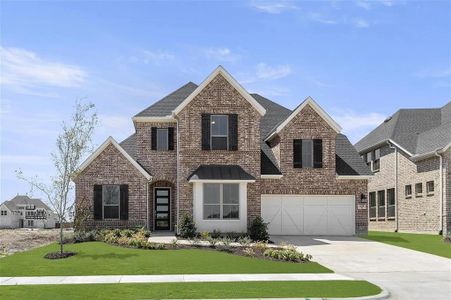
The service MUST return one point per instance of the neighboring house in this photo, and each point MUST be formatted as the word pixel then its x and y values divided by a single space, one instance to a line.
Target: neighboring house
pixel 410 156
pixel 26 212
pixel 224 157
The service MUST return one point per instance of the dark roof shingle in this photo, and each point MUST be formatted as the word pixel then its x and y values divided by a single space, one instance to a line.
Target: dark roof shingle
pixel 220 172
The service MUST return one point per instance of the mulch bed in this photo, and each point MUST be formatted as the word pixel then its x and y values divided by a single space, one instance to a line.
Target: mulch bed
pixel 59 255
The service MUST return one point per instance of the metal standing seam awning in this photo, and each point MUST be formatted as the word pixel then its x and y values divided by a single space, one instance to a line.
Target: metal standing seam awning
pixel 220 173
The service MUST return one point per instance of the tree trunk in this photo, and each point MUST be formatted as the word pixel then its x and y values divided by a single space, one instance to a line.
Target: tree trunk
pixel 61 235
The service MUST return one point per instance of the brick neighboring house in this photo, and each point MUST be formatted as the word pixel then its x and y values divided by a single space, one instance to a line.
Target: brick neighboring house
pixel 225 156
pixel 410 156
pixel 25 212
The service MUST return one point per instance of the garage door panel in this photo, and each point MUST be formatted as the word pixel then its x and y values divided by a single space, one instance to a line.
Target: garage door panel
pixel 309 214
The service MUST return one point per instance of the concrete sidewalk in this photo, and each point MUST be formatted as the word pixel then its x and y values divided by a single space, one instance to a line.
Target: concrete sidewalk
pixel 168 278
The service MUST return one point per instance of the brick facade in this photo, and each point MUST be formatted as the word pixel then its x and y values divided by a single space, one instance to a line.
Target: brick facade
pixel 417 213
pixel 111 167
pixel 218 97
pixel 322 181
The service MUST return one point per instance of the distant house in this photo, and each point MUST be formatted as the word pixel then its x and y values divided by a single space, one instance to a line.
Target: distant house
pixel 26 212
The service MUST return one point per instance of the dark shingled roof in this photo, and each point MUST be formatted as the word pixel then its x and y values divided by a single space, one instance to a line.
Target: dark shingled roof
pixel 166 105
pixel 275 114
pixel 418 131
pixel 25 200
pixel 348 161
pixel 220 172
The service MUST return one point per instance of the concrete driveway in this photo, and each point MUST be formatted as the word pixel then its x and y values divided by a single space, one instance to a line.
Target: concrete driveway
pixel 405 273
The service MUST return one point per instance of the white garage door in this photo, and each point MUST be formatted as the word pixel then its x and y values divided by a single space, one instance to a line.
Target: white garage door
pixel 309 215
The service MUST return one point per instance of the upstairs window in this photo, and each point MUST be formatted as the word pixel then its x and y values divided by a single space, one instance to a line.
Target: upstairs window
pixel 220 132
pixel 372 159
pixel 430 187
pixel 408 191
pixel 219 128
pixel 4 213
pixel 308 153
pixel 418 189
pixel 162 139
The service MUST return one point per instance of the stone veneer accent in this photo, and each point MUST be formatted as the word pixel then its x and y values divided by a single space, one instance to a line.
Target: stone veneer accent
pixel 415 213
pixel 111 167
pixel 308 124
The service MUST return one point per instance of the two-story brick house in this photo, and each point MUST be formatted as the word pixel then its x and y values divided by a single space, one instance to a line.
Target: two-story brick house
pixel 410 155
pixel 225 156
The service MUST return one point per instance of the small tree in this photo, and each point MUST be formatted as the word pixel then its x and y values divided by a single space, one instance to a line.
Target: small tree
pixel 187 227
pixel 258 231
pixel 72 144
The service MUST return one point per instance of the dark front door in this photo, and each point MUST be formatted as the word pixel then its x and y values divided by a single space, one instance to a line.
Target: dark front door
pixel 162 211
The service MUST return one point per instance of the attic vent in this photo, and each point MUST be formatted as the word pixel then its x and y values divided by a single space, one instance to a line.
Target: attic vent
pixel 388 119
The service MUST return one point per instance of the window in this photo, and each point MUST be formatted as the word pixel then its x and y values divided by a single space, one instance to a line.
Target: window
pixel 430 187
pixel 30 223
pixel 308 153
pixel 418 189
pixel 219 132
pixel 4 213
pixel 376 161
pixel 381 204
pixel 221 201
pixel 162 139
pixel 408 191
pixel 368 159
pixel 391 203
pixel 111 197
pixel 373 205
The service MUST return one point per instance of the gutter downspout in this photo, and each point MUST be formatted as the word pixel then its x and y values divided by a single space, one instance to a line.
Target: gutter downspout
pixel 177 178
pixel 396 185
pixel 147 205
pixel 441 189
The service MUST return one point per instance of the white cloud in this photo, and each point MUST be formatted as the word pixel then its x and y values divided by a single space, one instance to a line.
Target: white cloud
pixel 357 125
pixel 360 23
pixel 273 7
pixel 24 69
pixel 321 18
pixel 155 57
pixel 434 73
pixel 221 54
pixel 365 4
pixel 265 71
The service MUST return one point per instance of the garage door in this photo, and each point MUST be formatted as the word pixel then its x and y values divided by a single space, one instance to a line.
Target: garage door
pixel 309 215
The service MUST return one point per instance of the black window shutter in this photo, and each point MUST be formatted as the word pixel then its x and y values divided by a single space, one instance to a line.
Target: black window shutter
pixel 98 205
pixel 297 153
pixel 206 132
pixel 171 138
pixel 153 138
pixel 317 153
pixel 124 202
pixel 233 132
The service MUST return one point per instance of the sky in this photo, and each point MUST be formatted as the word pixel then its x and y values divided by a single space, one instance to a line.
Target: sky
pixel 360 60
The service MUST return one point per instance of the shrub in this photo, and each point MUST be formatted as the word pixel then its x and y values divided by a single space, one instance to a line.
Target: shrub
pixel 258 231
pixel 244 241
pixel 205 235
pixel 226 241
pixel 213 241
pixel 249 252
pixel 287 254
pixel 215 234
pixel 187 227
pixel 85 236
pixel 261 246
pixel 127 233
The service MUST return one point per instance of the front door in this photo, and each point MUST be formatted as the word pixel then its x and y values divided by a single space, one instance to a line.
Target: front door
pixel 162 211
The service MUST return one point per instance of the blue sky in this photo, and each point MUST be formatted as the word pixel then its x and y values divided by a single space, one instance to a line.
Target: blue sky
pixel 360 60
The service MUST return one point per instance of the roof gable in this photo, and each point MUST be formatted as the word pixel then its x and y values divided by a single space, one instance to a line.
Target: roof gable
pixel 321 112
pixel 220 70
pixel 112 141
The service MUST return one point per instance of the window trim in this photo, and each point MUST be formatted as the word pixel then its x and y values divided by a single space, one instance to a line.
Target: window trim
pixel 419 194
pixel 408 196
pixel 227 136
pixel 429 192
pixel 221 202
pixel 167 139
pixel 118 205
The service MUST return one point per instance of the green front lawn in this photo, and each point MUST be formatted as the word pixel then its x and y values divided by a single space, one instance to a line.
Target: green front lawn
pixel 428 243
pixel 224 290
pixel 98 258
